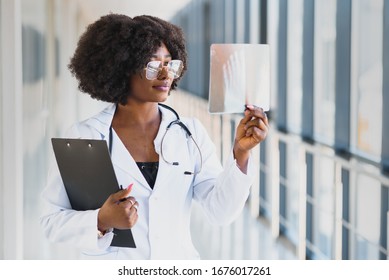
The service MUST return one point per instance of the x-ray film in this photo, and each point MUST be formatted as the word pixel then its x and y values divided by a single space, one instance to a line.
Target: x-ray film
pixel 239 75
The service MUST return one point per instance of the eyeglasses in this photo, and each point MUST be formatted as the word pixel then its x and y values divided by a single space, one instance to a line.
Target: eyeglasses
pixel 154 67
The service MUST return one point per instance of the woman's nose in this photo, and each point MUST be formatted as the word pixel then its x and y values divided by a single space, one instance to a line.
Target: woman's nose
pixel 163 73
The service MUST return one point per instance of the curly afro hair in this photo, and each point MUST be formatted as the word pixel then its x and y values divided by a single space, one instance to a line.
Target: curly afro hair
pixel 115 47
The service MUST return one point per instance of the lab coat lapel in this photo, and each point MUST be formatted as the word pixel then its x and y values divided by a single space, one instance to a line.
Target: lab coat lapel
pixel 120 157
pixel 123 159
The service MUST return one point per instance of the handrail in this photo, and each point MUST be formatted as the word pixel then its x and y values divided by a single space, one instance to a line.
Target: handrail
pixel 321 150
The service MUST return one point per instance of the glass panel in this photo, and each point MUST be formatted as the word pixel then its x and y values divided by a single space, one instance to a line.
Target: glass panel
pixel 283 179
pixel 252 14
pixel 367 218
pixel 294 65
pixel 367 76
pixel 265 190
pixel 41 105
pixel 324 70
pixel 35 149
pixel 292 194
pixel 264 208
pixel 323 230
pixel 240 21
pixel 1 143
pixel 273 19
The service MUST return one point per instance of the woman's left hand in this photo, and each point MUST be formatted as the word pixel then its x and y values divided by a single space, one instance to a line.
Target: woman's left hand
pixel 251 131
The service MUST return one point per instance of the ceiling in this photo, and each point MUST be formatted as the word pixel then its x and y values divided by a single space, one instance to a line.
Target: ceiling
pixel 94 9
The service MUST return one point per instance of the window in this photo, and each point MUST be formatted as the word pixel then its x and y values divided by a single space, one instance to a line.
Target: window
pixel 324 208
pixel 324 70
pixel 290 164
pixel 366 209
pixel 265 191
pixel 294 65
pixel 239 14
pixel 35 102
pixel 229 22
pixel 366 77
pixel 273 25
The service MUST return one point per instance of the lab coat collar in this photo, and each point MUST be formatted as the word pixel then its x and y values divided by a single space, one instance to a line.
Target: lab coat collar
pixel 103 120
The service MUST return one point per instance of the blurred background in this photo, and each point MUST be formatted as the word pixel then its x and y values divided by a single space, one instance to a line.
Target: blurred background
pixel 321 190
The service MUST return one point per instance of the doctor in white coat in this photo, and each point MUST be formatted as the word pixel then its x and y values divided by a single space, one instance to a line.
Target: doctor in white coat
pixel 165 161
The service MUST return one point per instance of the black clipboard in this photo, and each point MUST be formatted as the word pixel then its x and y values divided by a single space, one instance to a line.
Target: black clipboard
pixel 89 178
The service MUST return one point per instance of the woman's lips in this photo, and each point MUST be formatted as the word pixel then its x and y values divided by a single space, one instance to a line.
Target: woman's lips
pixel 161 88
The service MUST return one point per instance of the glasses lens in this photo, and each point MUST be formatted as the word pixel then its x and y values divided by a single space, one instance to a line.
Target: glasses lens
pixel 175 68
pixel 152 69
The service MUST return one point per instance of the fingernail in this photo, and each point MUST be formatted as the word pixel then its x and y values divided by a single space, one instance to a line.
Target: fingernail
pixel 130 186
pixel 251 107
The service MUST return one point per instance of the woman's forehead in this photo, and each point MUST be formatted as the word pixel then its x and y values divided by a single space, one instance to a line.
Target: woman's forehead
pixel 162 53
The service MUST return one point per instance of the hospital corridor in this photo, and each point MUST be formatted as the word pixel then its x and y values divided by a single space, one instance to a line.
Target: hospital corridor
pixel 321 188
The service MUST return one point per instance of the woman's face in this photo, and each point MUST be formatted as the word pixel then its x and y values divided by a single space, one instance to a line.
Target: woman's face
pixel 156 90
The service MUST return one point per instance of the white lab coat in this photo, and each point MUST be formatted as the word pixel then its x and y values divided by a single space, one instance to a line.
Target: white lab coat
pixel 163 227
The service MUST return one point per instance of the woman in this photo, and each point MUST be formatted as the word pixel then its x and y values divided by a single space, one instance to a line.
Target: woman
pixel 134 63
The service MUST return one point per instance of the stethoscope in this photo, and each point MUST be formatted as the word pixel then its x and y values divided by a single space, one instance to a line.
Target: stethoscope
pixel 177 122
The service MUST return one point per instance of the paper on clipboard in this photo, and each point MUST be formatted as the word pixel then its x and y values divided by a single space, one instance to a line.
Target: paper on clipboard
pixel 89 178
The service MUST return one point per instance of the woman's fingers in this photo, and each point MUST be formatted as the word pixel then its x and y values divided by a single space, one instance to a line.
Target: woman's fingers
pixel 256 112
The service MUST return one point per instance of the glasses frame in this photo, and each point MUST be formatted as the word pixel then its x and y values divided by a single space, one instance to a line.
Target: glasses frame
pixel 174 68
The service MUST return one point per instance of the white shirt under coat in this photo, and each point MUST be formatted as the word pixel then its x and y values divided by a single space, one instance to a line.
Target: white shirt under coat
pixel 163 227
